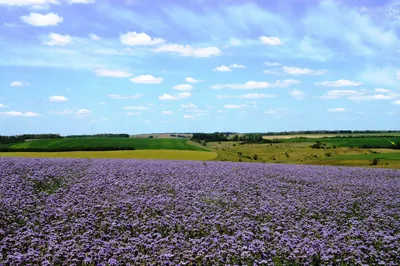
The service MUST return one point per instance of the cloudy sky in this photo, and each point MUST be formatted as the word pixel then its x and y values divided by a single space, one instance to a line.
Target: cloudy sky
pixel 146 66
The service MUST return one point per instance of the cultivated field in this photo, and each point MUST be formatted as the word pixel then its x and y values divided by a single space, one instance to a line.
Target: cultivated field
pixel 301 153
pixel 88 144
pixel 318 136
pixel 120 212
pixel 136 154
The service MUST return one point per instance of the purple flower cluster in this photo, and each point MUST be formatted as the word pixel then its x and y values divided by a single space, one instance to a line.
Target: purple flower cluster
pixel 126 212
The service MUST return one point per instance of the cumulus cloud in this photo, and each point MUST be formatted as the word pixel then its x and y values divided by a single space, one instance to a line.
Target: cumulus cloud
pixel 81 1
pixel 183 87
pixel 189 116
pixel 247 96
pixel 297 94
pixel 134 108
pixel 22 114
pixel 55 39
pixel 192 80
pixel 397 102
pixel 222 68
pixel 133 38
pixel 285 83
pixel 125 97
pixel 246 86
pixel 83 113
pixel 3 106
pixel 39 20
pixel 57 98
pixel 339 83
pixel 19 84
pixel 303 71
pixel 29 2
pixel 270 40
pixel 146 79
pixel 277 112
pixel 337 110
pixel 116 73
pixel 179 96
pixel 272 64
pixel 234 106
pixel 237 66
pixel 334 94
pixel 167 113
pixel 187 50
pixel 94 37
pixel 188 106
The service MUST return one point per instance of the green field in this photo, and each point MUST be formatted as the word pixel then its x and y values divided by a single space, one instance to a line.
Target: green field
pixel 89 144
pixel 137 154
pixel 376 141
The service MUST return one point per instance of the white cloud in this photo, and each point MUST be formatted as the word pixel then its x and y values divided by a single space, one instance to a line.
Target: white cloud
pixel 94 37
pixel 334 94
pixel 61 112
pixel 57 98
pixel 133 38
pixel 398 75
pixel 179 96
pixel 102 103
pixel 81 1
pixel 183 87
pixel 374 97
pixel 337 110
pixel 233 106
pixel 270 40
pixel 189 117
pixel 237 66
pixel 125 97
pixel 133 113
pixel 297 94
pixel 57 39
pixel 192 80
pixel 246 86
pixel 146 79
pixel 167 97
pixel 167 113
pixel 303 71
pixel 28 2
pixel 134 108
pixel 397 102
pixel 272 64
pixel 247 96
pixel 339 83
pixel 271 72
pixel 382 90
pixel 188 106
pixel 285 83
pixel 83 112
pixel 22 114
pixel 3 106
pixel 277 112
pixel 39 20
pixel 222 68
pixel 116 73
pixel 19 84
pixel 187 50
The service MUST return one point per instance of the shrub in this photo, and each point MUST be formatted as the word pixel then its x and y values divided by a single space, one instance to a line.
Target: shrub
pixel 374 161
pixel 328 154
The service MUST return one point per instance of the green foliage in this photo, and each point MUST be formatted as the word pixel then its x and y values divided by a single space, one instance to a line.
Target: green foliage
pixel 99 144
pixel 255 157
pixel 207 137
pixel 374 161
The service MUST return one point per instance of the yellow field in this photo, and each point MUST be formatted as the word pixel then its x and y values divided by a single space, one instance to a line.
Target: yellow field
pixel 136 154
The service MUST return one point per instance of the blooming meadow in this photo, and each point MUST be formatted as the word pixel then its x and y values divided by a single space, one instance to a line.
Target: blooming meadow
pixel 126 212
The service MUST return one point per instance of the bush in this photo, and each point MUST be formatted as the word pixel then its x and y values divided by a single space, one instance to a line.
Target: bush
pixel 255 157
pixel 375 161
pixel 328 154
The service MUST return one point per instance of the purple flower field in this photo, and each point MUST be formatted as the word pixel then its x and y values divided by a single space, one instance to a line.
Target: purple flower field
pixel 126 212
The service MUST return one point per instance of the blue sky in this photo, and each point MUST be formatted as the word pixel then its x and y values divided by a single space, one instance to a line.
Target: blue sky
pixel 136 66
